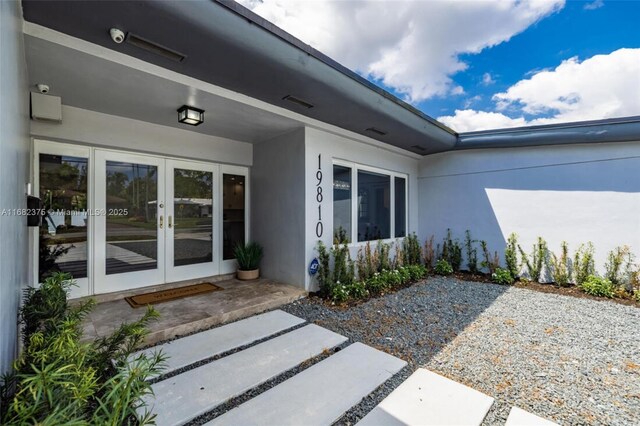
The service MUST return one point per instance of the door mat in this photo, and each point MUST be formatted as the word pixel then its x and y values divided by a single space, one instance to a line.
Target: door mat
pixel 144 299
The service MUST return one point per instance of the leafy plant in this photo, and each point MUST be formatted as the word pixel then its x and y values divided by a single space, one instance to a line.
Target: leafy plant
pixel 443 268
pixel 584 263
pixel 502 276
pixel 340 236
pixel 560 267
pixel 472 252
pixel 490 262
pixel 412 251
pixel 416 272
pixel 536 261
pixel 378 283
pixel 619 265
pixel 451 251
pixel 58 380
pixel 248 256
pixel 382 254
pixel 429 253
pixel 324 273
pixel 597 286
pixel 511 255
pixel 367 262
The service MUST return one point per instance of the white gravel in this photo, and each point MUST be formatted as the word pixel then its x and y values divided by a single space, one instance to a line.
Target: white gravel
pixel 571 360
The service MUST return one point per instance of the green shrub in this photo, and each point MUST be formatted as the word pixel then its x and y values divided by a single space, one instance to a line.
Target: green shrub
pixel 560 267
pixel 443 267
pixel 597 286
pixel 382 254
pixel 405 275
pixel 324 273
pixel 429 253
pixel 340 236
pixel 417 272
pixel 367 262
pixel 339 293
pixel 619 265
pixel 58 380
pixel 411 250
pixel 358 290
pixel 511 255
pixel 377 283
pixel 248 256
pixel 490 262
pixel 502 276
pixel 472 252
pixel 583 263
pixel 536 261
pixel 451 251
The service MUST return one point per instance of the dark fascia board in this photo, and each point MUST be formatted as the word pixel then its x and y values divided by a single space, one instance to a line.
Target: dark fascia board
pixel 282 34
pixel 624 129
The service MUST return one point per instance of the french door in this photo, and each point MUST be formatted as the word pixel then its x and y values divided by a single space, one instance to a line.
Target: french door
pixel 120 221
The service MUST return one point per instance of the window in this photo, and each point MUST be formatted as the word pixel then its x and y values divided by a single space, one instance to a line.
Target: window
pixel 374 196
pixel 400 206
pixel 341 204
pixel 368 204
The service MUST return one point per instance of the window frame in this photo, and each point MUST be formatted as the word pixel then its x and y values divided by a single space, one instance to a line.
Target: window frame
pixel 355 168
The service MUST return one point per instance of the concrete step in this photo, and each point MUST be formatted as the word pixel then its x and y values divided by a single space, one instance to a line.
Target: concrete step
pixel 519 417
pixel 319 395
pixel 191 349
pixel 427 398
pixel 187 395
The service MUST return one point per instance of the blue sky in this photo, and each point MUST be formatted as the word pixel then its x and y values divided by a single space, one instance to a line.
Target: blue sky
pixel 573 31
pixel 482 64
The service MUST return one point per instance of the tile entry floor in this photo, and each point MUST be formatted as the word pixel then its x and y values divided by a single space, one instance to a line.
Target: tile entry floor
pixel 189 314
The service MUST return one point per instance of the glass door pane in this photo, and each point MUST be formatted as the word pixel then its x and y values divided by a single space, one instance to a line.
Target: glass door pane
pixel 193 217
pixel 233 213
pixel 131 217
pixel 63 234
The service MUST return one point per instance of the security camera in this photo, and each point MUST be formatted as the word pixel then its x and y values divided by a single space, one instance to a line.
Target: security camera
pixel 42 88
pixel 116 35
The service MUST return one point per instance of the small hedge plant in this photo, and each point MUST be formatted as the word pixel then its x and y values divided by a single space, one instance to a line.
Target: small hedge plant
pixel 502 276
pixel 443 267
pixel 598 286
pixel 59 380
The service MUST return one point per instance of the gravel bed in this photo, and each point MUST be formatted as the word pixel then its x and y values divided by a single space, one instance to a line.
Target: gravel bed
pixel 573 361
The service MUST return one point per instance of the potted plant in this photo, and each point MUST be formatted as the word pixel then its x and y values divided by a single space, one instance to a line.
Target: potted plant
pixel 248 257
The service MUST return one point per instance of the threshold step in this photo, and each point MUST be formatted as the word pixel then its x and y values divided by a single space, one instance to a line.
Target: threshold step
pixel 426 399
pixel 321 394
pixel 191 349
pixel 519 417
pixel 185 396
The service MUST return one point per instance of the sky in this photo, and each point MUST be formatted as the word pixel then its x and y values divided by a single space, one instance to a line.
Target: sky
pixel 481 64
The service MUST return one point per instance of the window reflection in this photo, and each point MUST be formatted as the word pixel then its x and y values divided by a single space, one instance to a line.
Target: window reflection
pixel 233 213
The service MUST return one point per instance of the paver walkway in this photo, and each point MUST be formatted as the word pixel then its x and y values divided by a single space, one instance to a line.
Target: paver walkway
pixel 208 369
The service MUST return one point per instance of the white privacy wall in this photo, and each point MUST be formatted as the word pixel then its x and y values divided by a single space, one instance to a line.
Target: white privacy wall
pixel 573 193
pixel 277 206
pixel 334 147
pixel 14 146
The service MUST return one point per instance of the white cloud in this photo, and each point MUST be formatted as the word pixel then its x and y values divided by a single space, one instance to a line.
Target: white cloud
pixel 468 120
pixel 602 86
pixel 487 79
pixel 411 46
pixel 596 4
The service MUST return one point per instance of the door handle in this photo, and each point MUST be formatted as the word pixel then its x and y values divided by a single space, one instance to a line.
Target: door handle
pixel 161 221
pixel 169 224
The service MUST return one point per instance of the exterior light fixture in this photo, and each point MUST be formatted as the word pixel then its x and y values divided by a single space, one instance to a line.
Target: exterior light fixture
pixel 190 115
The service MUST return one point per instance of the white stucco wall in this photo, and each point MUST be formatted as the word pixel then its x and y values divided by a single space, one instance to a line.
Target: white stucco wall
pixel 14 146
pixel 93 128
pixel 334 147
pixel 575 193
pixel 277 206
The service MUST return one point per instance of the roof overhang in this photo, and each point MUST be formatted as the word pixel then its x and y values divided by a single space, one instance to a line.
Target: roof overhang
pixel 227 45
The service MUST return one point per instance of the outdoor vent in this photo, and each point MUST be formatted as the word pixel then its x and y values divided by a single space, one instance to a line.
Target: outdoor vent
pixel 376 131
pixel 298 101
pixel 149 46
pixel 418 147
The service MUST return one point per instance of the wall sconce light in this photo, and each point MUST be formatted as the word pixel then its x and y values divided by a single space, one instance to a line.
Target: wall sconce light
pixel 190 115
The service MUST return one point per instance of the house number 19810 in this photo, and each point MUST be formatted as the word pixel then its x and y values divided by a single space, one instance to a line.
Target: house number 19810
pixel 319 197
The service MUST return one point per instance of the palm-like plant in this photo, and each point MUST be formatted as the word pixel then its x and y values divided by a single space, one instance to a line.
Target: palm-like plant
pixel 248 256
